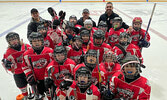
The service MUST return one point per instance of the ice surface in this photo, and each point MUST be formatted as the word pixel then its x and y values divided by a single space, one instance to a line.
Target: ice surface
pixel 15 17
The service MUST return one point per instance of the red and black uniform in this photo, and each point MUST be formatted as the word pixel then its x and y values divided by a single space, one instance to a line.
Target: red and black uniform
pixel 138 35
pixel 95 74
pixel 16 57
pixel 131 49
pixel 56 36
pixel 138 89
pixel 113 68
pixel 58 72
pixel 104 47
pixel 75 91
pixel 75 55
pixel 113 36
pixel 37 65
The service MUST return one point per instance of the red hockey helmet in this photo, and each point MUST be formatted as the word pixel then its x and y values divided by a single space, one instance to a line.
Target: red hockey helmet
pixel 137 20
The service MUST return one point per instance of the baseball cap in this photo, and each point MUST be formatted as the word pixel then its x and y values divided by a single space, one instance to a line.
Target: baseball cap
pixel 86 10
pixel 33 10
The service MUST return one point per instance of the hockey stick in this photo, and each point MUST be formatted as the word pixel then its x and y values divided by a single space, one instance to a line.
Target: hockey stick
pixel 100 80
pixel 149 21
pixel 34 87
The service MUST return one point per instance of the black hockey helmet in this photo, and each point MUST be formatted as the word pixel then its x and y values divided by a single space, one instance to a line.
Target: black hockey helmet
pixel 102 24
pixel 98 34
pixel 38 36
pixel 124 35
pixel 85 32
pixel 119 19
pixel 92 53
pixel 77 37
pixel 58 50
pixel 12 35
pixel 73 16
pixel 83 71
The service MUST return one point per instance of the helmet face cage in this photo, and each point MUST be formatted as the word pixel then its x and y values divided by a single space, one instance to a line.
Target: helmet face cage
pixel 60 50
pixel 117 19
pixel 41 29
pixel 124 35
pixel 103 26
pixel 110 55
pixel 131 76
pixel 12 36
pixel 83 72
pixel 77 42
pixel 99 34
pixel 91 56
pixel 84 33
pixel 36 36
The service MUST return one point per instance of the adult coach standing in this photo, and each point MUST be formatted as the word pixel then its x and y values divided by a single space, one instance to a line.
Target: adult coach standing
pixel 36 20
pixel 109 15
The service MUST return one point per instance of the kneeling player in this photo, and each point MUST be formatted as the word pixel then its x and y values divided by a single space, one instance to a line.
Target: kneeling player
pixel 82 88
pixel 129 84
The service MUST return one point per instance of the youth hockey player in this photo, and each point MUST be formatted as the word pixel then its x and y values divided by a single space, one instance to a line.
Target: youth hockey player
pixel 59 69
pixel 138 34
pixel 85 36
pixel 12 60
pixel 56 33
pixel 76 52
pixel 115 31
pixel 82 88
pixel 128 83
pixel 89 26
pixel 47 39
pixel 98 43
pixel 126 48
pixel 103 26
pixel 110 64
pixel 35 61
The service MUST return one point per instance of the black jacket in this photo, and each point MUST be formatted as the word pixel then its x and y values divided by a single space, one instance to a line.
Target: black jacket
pixel 32 26
pixel 104 17
pixel 80 22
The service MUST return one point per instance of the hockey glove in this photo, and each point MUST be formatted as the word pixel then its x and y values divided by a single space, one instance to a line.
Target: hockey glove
pixel 31 79
pixel 143 43
pixel 51 11
pixel 62 15
pixel 107 95
pixel 64 85
pixel 7 63
pixel 48 83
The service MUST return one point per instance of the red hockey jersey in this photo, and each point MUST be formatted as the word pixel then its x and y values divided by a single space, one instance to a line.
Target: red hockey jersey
pixel 104 47
pixel 138 35
pixel 75 91
pixel 110 71
pixel 16 57
pixel 113 36
pixel 38 63
pixel 75 55
pixel 139 89
pixel 57 72
pixel 131 49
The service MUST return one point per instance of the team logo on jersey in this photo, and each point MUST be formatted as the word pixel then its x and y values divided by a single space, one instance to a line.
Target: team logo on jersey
pixel 61 75
pixel 127 93
pixel 19 59
pixel 47 43
pixel 40 63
